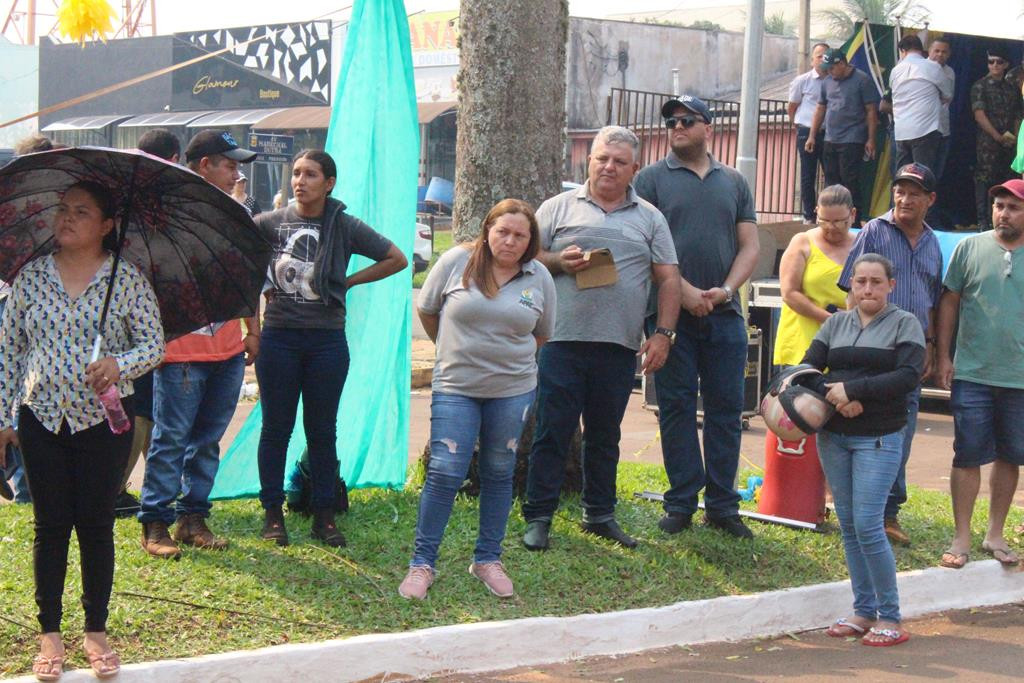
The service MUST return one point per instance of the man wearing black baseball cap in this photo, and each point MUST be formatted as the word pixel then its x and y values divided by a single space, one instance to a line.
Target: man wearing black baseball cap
pixel 215 155
pixel 710 213
pixel 903 237
pixel 848 108
pixel 195 393
pixel 996 105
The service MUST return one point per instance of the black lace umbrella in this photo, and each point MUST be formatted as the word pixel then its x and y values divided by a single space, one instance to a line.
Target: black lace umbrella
pixel 199 248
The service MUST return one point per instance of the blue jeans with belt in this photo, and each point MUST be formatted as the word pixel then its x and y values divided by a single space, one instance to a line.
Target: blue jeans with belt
pixel 711 352
pixel 860 470
pixel 192 407
pixel 456 422
pixel 592 379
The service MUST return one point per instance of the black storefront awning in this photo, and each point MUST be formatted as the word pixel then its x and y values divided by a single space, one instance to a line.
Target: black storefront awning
pixel 164 118
pixel 85 123
pixel 232 117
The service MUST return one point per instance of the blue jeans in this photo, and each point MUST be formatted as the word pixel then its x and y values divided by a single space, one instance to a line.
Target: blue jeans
pixel 15 471
pixel 192 406
pixel 860 470
pixel 312 363
pixel 592 379
pixel 455 424
pixel 809 162
pixel 898 494
pixel 714 349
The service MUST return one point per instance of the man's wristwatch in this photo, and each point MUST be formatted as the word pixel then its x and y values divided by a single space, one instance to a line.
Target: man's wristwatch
pixel 671 334
pixel 728 292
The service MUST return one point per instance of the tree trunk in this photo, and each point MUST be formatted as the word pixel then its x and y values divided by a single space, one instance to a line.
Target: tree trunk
pixel 511 117
pixel 511 138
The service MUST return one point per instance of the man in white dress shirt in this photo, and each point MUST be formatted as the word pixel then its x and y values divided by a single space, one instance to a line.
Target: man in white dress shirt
pixel 804 92
pixel 939 52
pixel 919 89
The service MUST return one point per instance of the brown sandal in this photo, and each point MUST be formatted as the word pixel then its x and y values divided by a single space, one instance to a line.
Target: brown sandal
pixel 48 668
pixel 105 665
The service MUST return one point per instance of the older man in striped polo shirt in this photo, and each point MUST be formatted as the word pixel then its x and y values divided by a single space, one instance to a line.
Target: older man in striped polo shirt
pixel 903 237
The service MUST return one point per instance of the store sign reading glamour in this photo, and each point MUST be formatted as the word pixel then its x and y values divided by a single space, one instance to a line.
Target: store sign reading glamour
pixel 205 83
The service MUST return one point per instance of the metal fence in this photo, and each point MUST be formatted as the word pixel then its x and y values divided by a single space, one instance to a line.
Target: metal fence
pixel 778 179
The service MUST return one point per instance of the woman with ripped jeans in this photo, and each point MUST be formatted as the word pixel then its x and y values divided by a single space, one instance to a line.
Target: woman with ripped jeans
pixel 488 306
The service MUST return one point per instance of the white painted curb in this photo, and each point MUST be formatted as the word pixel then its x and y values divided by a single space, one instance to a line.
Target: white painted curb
pixel 541 640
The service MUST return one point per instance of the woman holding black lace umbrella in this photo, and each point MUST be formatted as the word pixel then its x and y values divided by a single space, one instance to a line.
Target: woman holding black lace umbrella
pixel 74 461
pixel 94 241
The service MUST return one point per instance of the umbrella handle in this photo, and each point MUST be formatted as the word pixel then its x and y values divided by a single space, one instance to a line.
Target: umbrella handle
pixel 96 348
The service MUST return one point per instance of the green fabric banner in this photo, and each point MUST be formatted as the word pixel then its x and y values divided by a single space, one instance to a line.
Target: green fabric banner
pixel 374 138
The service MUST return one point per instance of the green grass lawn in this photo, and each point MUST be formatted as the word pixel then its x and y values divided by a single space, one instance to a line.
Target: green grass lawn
pixel 442 243
pixel 255 594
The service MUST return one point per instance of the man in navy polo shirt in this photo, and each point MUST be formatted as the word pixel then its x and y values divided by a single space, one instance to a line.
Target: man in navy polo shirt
pixel 903 237
pixel 710 212
pixel 848 107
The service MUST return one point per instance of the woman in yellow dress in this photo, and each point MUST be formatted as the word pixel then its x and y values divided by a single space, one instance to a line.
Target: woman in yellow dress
pixel 808 274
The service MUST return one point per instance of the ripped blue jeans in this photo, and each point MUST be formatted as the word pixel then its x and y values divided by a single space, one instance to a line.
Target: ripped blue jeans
pixel 455 424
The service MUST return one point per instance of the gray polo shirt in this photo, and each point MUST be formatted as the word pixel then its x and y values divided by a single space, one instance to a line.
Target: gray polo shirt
pixel 636 234
pixel 702 214
pixel 486 347
pixel 845 117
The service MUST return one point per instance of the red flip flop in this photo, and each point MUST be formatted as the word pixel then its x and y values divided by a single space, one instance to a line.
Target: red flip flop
pixel 893 636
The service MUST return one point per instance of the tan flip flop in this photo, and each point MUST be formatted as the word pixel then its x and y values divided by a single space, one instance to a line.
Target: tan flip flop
pixel 954 560
pixel 1003 556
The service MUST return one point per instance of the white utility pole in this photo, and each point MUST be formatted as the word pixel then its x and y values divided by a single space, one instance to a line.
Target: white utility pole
pixel 746 153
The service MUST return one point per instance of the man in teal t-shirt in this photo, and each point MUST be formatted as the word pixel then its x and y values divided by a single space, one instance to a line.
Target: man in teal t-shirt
pixel 984 289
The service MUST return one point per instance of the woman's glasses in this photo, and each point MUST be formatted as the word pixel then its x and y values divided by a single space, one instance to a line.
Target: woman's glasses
pixel 687 121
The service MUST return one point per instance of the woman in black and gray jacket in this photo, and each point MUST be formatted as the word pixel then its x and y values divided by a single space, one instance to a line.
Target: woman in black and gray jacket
pixel 874 354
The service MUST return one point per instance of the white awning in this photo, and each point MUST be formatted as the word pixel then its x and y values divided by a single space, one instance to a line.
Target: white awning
pixel 164 118
pixel 85 123
pixel 233 117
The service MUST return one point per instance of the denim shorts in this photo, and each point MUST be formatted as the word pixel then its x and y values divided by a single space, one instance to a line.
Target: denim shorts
pixel 988 423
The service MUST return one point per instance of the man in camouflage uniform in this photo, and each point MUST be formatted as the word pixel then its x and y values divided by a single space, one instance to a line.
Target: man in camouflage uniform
pixel 996 104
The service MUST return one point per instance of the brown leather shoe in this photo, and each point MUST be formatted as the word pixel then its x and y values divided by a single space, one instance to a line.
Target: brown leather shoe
pixel 157 542
pixel 895 532
pixel 192 530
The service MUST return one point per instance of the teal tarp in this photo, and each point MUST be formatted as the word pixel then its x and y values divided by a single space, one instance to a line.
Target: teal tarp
pixel 374 138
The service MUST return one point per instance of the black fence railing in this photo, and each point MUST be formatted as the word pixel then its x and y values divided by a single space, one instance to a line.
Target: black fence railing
pixel 778 184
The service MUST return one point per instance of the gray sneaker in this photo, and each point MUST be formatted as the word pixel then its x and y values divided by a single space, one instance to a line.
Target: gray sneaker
pixel 416 582
pixel 494 577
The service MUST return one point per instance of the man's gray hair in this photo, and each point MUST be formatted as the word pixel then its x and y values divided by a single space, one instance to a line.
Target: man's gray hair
pixel 835 195
pixel 617 134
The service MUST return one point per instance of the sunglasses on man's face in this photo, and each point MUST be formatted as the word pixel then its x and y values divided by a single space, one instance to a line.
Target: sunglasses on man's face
pixel 688 121
pixel 997 60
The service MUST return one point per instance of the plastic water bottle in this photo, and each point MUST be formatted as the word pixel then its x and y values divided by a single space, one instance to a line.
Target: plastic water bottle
pixel 116 417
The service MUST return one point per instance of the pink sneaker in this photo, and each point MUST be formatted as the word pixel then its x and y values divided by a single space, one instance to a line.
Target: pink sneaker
pixel 416 582
pixel 494 577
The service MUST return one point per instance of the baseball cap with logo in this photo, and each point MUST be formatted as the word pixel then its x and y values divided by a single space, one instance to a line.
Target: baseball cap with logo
pixel 1014 187
pixel 916 173
pixel 210 142
pixel 694 104
pixel 833 56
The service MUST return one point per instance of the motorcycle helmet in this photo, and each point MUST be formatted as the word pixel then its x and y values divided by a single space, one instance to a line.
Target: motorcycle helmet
pixel 793 411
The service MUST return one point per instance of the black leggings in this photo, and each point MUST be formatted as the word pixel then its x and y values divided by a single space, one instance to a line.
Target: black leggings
pixel 74 479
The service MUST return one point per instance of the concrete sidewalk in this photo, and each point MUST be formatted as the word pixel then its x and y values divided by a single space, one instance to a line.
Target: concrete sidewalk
pixel 980 644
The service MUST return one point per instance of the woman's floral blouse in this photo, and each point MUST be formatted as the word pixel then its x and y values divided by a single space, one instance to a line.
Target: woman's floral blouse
pixel 46 341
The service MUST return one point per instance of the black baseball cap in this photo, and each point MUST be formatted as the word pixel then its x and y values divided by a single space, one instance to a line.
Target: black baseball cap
pixel 833 56
pixel 210 142
pixel 916 173
pixel 694 104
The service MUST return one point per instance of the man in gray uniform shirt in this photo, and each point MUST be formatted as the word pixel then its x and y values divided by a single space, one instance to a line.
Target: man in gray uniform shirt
pixel 587 367
pixel 710 212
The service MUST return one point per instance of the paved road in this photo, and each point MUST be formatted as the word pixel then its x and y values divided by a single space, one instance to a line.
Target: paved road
pixel 973 645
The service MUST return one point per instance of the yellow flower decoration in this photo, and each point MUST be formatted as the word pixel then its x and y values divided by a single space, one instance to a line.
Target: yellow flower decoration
pixel 82 19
